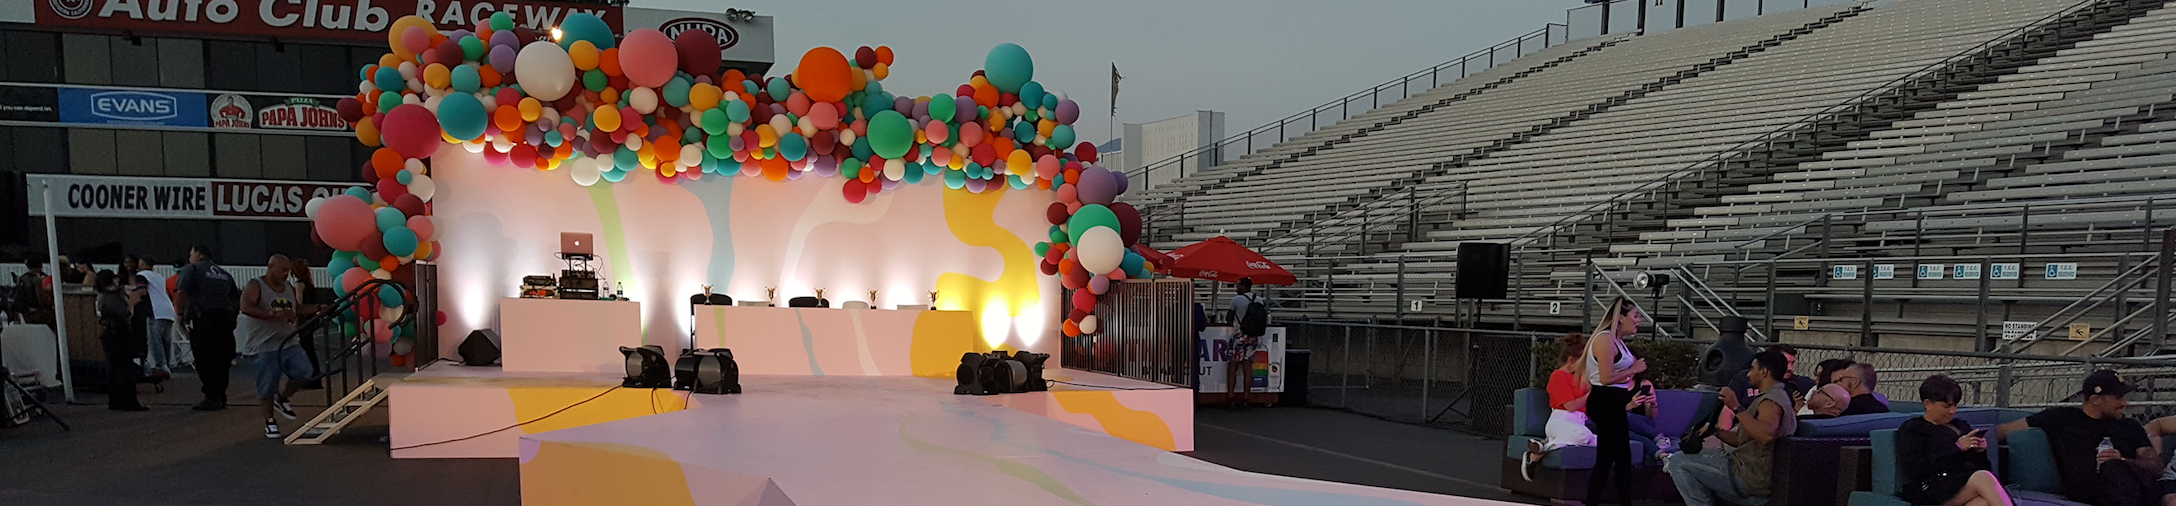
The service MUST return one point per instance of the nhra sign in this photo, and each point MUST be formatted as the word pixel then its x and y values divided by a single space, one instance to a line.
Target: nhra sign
pixel 182 198
pixel 132 107
pixel 355 20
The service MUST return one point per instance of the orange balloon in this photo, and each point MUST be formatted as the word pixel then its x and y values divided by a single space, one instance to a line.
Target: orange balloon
pixel 1072 329
pixel 366 132
pixel 986 95
pixel 386 161
pixel 508 118
pixel 825 75
pixel 882 71
pixel 607 119
pixel 609 61
pixel 775 169
pixel 734 77
pixel 436 75
pixel 884 55
pixel 490 76
pixel 585 54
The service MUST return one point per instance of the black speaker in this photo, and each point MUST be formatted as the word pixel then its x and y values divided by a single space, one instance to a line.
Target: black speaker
pixel 1483 270
pixel 646 367
pixel 480 348
pixel 710 371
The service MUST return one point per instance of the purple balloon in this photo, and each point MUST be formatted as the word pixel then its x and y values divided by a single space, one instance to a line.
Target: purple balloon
pixel 889 184
pixel 921 111
pixel 1068 111
pixel 1120 183
pixel 502 57
pixel 904 105
pixel 793 175
pixel 534 137
pixel 977 185
pixel 1096 186
pixel 1099 284
pixel 825 166
pixel 504 38
pixel 967 109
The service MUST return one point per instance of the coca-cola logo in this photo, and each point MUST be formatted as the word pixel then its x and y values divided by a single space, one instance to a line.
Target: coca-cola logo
pixel 70 9
pixel 725 34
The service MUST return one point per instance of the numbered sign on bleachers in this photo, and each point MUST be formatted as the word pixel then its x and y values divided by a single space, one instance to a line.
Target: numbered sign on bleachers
pixel 1966 271
pixel 1932 271
pixel 1844 272
pixel 1884 271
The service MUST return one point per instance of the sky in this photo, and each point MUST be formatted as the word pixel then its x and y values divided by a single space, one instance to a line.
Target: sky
pixel 1257 61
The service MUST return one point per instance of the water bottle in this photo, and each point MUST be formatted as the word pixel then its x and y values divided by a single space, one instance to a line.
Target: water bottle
pixel 2106 444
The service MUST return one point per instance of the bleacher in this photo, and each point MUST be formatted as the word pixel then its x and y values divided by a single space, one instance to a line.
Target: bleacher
pixel 1891 128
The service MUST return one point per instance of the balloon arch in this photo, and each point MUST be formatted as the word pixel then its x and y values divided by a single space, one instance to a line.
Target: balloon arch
pixel 650 105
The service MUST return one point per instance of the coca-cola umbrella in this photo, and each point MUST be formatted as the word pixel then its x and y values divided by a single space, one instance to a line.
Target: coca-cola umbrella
pixel 1222 259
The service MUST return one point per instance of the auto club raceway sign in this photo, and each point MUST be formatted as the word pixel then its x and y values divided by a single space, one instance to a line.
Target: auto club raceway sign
pixel 186 198
pixel 359 20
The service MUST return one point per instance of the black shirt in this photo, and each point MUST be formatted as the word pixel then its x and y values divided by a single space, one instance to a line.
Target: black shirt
pixel 1925 450
pixel 1865 403
pixel 2075 438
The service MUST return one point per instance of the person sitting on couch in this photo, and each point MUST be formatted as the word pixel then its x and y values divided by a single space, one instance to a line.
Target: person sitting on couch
pixel 1567 406
pixel 1944 459
pixel 1828 398
pixel 1858 380
pixel 1740 477
pixel 2120 475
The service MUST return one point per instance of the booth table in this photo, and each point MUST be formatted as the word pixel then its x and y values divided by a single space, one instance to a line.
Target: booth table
pixel 567 335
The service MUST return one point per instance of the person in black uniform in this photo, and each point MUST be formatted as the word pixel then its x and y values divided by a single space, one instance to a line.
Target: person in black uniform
pixel 1944 459
pixel 121 346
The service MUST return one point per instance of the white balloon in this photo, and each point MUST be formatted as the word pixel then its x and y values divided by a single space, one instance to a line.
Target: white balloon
pixel 1088 324
pixel 411 99
pixel 779 123
pixel 585 171
pixel 604 161
pixel 403 346
pixel 1100 249
pixel 473 147
pixel 894 169
pixel 691 155
pixel 407 70
pixel 310 209
pixel 422 187
pixel 415 166
pixel 381 274
pixel 846 137
pixel 390 313
pixel 643 99
pixel 544 71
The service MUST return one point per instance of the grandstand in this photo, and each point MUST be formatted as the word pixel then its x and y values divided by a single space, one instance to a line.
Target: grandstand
pixel 1748 158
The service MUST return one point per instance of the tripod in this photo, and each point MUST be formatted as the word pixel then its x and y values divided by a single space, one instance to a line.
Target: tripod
pixel 22 406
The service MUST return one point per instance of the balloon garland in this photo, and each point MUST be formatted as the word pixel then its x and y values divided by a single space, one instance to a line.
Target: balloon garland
pixel 605 109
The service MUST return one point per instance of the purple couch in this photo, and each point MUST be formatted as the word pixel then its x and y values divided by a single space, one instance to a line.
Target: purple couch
pixel 1564 473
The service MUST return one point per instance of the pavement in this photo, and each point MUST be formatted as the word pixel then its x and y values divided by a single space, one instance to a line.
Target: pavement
pixel 173 455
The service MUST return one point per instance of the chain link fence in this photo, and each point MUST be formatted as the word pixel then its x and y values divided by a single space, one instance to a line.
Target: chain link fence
pixel 1464 378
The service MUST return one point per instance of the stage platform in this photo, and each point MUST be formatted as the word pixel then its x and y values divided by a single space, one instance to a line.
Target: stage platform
pixel 833 440
pixel 448 410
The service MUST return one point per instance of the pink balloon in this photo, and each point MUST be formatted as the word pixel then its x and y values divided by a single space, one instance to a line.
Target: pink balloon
pixel 1047 167
pixel 354 277
pixel 1099 284
pixel 412 131
pixel 824 116
pixel 423 227
pixel 344 222
pixel 1069 195
pixel 648 57
pixel 416 39
pixel 936 132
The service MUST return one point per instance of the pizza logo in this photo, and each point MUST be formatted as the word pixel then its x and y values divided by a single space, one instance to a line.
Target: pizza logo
pixel 70 9
pixel 231 111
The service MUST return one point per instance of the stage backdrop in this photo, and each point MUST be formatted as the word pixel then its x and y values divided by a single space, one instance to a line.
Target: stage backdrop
pixel 741 235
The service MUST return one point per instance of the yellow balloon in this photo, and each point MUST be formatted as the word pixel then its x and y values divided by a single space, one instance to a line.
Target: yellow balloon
pixel 584 54
pixel 437 76
pixel 704 96
pixel 766 136
pixel 1019 162
pixel 607 118
pixel 531 109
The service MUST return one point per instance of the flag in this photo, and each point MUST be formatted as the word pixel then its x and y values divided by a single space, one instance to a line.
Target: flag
pixel 1114 88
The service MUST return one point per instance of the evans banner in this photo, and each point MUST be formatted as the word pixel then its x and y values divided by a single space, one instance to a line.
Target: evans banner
pixel 353 20
pixel 95 106
pixel 184 198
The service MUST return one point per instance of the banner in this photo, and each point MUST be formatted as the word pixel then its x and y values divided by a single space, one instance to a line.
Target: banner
pixel 180 198
pixel 92 106
pixel 1214 348
pixel 352 20
pixel 29 103
pixel 276 112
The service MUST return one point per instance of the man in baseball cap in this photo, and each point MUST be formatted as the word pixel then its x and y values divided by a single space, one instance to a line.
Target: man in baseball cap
pixel 2122 475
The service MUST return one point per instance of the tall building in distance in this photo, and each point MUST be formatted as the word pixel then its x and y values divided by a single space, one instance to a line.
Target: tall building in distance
pixel 1144 144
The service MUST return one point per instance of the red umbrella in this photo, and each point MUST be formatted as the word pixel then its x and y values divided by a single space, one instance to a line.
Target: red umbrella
pixel 1223 260
pixel 1158 258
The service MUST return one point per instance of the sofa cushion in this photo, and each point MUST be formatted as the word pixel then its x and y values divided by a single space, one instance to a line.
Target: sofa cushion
pixel 2037 498
pixel 1886 473
pixel 1530 412
pixel 1875 499
pixel 1851 426
pixel 1677 408
pixel 2032 462
pixel 1569 457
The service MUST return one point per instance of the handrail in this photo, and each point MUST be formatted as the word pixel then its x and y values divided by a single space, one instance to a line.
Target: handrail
pixel 338 309
pixel 2094 296
pixel 1546 32
pixel 1811 119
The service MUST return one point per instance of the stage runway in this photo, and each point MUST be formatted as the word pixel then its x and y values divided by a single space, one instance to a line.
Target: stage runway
pixel 831 440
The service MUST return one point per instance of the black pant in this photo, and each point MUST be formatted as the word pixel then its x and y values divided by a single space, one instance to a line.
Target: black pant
pixel 121 368
pixel 2122 484
pixel 1613 437
pixel 211 339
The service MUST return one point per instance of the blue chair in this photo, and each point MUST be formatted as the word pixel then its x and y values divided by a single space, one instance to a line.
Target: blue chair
pixel 1563 474
pixel 2029 472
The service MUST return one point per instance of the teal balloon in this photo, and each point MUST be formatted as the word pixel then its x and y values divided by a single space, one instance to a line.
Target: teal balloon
pixel 472 48
pixel 676 92
pixel 338 265
pixel 553 139
pixel 389 79
pixel 1134 265
pixel 780 89
pixel 875 87
pixel 861 148
pixel 942 112
pixel 714 121
pixel 1031 115
pixel 595 80
pixel 400 241
pixel 692 133
pixel 736 111
pixel 719 147
pixel 913 176
pixel 727 166
pixel 388 100
pixel 580 26
pixel 625 159
pixel 1008 67
pixel 462 116
pixel 955 179
pixel 1042 249
pixel 1024 132
pixel 359 192
pixel 390 218
pixel 932 168
pixel 1090 216
pixel 1031 95
pixel 404 177
pixel 1058 235
pixel 466 79
pixel 1017 183
pixel 613 176
pixel 1061 136
pixel 850 168
pixel 792 146
pixel 890 134
pixel 390 296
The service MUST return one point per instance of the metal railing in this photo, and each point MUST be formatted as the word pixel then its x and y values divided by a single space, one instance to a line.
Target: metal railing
pixel 1655 16
pixel 1146 333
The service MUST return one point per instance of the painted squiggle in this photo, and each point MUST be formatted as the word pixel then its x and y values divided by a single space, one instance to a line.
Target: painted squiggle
pixel 1018 470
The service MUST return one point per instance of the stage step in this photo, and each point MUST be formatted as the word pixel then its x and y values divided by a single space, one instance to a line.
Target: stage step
pixel 340 414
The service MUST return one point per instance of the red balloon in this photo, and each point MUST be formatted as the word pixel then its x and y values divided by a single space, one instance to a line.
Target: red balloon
pixel 1129 222
pixel 1076 315
pixel 1082 299
pixel 698 52
pixel 370 174
pixel 344 222
pixel 648 57
pixel 374 245
pixel 865 57
pixel 391 189
pixel 1075 279
pixel 411 130
pixel 409 205
pixel 855 190
pixel 1085 152
pixel 449 54
pixel 1056 214
pixel 351 110
pixel 1050 269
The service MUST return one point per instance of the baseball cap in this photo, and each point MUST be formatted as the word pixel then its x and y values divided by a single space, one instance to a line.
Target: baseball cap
pixel 2105 382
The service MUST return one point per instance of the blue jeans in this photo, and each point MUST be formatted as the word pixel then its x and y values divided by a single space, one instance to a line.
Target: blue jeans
pixel 1705 478
pixel 1642 430
pixel 269 366
pixel 157 340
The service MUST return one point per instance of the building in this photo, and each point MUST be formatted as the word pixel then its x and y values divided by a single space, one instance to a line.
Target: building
pixel 165 123
pixel 1112 154
pixel 1151 145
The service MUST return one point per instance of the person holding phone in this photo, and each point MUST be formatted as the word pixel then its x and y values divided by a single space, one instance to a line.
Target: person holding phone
pixel 1944 459
pixel 1641 413
pixel 1610 367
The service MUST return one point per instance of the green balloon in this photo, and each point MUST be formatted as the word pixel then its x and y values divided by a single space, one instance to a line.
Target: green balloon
pixel 780 89
pixel 1056 234
pixel 1090 216
pixel 941 108
pixel 956 179
pixel 736 111
pixel 466 79
pixel 890 134
pixel 595 80
pixel 1031 95
pixel 714 122
pixel 1061 136
pixel 1008 67
pixel 720 148
pixel 472 48
pixel 676 92
pixel 1042 249
pixel 387 101
pixel 503 21
pixel 850 169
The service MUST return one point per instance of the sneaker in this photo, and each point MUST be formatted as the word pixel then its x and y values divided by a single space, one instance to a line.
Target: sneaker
pixel 209 405
pixel 1534 453
pixel 284 408
pixel 1665 446
pixel 271 429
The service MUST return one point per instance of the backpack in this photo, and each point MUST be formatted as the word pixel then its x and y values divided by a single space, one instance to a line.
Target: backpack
pixel 1256 321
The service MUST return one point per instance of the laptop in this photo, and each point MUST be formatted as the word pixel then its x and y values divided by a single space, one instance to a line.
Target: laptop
pixel 577 243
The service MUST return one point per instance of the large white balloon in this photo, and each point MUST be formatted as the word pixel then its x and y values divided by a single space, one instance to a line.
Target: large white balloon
pixel 1101 249
pixel 544 71
pixel 585 171
pixel 643 99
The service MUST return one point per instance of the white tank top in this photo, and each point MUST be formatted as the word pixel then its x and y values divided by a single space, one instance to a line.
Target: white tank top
pixel 1624 361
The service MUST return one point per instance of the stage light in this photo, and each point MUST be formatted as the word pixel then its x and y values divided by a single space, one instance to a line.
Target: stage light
pixel 970 375
pixel 646 367
pixel 710 371
pixel 998 372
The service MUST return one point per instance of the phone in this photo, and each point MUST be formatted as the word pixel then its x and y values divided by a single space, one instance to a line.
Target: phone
pixel 1977 433
pixel 1643 390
